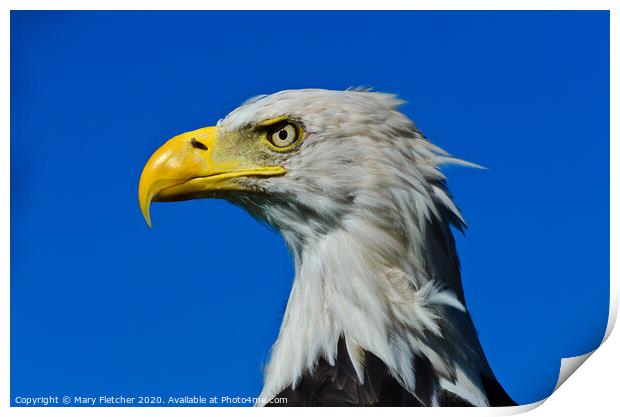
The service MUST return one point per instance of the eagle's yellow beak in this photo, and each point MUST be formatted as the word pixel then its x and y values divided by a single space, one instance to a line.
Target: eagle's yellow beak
pixel 192 166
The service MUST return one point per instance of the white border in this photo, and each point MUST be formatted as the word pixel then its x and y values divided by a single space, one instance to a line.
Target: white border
pixel 594 391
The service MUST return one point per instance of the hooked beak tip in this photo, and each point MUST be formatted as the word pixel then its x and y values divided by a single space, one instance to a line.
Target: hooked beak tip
pixel 145 205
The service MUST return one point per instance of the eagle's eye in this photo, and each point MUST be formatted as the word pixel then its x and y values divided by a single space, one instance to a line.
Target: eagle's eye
pixel 283 136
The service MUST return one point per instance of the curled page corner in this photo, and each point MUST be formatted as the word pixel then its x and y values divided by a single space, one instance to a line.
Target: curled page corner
pixel 568 366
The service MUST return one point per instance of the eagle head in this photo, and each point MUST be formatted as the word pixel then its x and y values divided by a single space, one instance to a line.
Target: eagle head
pixel 305 161
pixel 356 191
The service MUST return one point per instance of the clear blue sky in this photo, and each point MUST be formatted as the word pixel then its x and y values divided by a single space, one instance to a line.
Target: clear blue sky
pixel 100 304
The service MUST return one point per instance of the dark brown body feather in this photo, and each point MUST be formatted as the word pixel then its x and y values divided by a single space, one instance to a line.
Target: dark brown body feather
pixel 338 385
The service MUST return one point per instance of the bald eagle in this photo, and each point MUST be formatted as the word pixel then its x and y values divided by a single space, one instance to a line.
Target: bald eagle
pixel 376 313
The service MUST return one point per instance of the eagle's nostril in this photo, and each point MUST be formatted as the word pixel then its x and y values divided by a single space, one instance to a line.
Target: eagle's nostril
pixel 198 145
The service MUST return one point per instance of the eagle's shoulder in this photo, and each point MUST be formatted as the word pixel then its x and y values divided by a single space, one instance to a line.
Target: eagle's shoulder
pixel 338 385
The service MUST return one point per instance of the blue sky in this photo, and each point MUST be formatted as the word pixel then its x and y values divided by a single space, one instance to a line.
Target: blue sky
pixel 100 304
